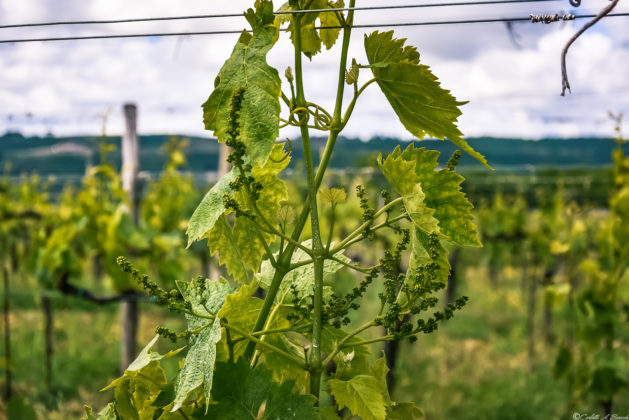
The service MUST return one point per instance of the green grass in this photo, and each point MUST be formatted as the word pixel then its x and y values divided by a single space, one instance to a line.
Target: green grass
pixel 474 367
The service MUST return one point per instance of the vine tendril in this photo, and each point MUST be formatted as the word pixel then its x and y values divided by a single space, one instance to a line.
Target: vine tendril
pixel 300 116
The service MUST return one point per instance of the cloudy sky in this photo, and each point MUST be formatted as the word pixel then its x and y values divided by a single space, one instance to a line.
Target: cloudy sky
pixel 511 78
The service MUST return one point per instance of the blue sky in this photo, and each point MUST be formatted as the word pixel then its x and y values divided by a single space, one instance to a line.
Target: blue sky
pixel 513 89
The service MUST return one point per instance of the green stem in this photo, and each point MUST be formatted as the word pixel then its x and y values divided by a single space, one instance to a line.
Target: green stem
pixel 267 325
pixel 230 343
pixel 314 364
pixel 284 259
pixel 345 339
pixel 354 267
pixel 331 232
pixel 271 229
pixel 365 225
pixel 276 331
pixel 266 345
pixel 371 341
pixel 350 108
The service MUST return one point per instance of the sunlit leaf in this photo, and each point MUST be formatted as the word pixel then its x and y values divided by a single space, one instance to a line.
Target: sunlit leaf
pixel 247 68
pixel 243 391
pixel 198 368
pixel 414 92
pixel 361 394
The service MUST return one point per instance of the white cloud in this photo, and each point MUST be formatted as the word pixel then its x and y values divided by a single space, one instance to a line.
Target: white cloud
pixel 512 92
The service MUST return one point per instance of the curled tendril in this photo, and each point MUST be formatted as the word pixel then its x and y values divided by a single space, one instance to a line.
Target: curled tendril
pixel 575 3
pixel 322 120
pixel 290 149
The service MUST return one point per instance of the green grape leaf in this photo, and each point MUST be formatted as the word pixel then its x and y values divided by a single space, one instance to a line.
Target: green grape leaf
pixel 198 368
pixel 333 195
pixel 359 362
pixel 404 411
pixel 249 242
pixel 423 253
pixel 146 364
pixel 402 176
pixel 440 196
pixel 243 391
pixel 137 391
pixel 246 235
pixel 124 402
pixel 241 247
pixel 283 369
pixel 379 370
pixel 241 309
pixel 247 68
pixel 328 413
pixel 414 92
pixel 147 356
pixel 107 413
pixel 395 411
pixel 329 27
pixel 301 277
pixel 210 209
pixel 331 21
pixel 274 189
pixel 89 413
pixel 361 394
pixel 223 242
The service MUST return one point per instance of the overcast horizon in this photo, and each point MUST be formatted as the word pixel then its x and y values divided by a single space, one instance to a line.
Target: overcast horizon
pixel 512 79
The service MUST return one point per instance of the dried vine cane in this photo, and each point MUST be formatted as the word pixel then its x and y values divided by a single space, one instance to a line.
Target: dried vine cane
pixel 564 73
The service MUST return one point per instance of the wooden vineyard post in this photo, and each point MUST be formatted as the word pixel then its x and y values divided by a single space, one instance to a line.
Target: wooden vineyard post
pixel 7 336
pixel 48 331
pixel 130 163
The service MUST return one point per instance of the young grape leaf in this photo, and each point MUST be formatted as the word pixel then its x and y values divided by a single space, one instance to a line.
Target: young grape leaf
pixel 329 27
pixel 275 190
pixel 107 413
pixel 240 247
pixel 243 391
pixel 346 368
pixel 395 411
pixel 332 195
pixel 401 175
pixel 328 413
pixel 361 394
pixel 223 242
pixel 210 209
pixel 286 370
pixel 247 236
pixel 404 411
pixel 241 310
pixel 425 252
pixel 198 368
pixel 414 92
pixel 442 198
pixel 247 68
pixel 301 278
pixel 136 392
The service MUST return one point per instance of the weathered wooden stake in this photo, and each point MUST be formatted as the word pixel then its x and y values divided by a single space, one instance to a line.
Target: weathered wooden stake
pixel 48 347
pixel 130 164
pixel 7 336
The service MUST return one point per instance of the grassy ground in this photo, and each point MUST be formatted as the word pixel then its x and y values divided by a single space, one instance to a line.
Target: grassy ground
pixel 86 354
pixel 474 367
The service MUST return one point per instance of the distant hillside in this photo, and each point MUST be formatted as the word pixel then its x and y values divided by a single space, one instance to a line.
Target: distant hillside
pixel 69 155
